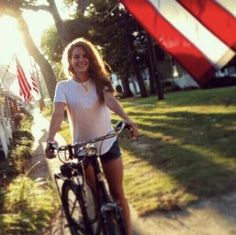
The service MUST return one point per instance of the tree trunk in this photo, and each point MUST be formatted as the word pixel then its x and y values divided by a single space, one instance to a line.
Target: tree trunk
pixel 126 88
pixel 143 90
pixel 158 74
pixel 153 88
pixel 46 69
pixel 61 29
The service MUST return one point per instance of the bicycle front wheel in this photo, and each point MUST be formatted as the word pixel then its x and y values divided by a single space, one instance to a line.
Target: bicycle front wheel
pixel 74 205
pixel 114 223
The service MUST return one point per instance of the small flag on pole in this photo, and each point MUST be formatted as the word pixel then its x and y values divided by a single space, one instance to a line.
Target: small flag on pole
pixel 34 83
pixel 199 34
pixel 25 89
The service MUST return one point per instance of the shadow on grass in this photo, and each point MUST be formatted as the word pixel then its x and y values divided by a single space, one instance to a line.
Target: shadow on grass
pixel 197 150
pixel 216 132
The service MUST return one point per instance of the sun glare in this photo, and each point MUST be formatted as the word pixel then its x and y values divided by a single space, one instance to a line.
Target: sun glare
pixel 37 23
pixel 9 39
pixel 11 45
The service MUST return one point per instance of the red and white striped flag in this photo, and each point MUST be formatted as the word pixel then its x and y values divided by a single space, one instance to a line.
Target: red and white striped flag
pixel 199 34
pixel 34 83
pixel 25 89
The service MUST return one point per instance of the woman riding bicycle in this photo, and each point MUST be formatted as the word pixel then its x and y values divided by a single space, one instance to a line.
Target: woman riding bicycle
pixel 88 97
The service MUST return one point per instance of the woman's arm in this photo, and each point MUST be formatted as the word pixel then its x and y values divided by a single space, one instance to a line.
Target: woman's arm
pixel 114 105
pixel 55 123
pixel 56 119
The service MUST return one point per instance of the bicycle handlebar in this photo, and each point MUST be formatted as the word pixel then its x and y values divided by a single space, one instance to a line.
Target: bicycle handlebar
pixel 120 126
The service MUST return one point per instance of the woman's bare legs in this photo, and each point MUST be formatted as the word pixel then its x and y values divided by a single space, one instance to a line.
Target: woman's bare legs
pixel 91 181
pixel 114 173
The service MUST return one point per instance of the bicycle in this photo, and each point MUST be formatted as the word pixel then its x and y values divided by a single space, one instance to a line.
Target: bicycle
pixel 108 218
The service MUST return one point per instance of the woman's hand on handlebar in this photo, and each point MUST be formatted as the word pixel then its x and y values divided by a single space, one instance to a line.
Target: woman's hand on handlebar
pixel 133 128
pixel 50 149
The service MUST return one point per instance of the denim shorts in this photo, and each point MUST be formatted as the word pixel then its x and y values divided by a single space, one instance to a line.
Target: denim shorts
pixel 113 153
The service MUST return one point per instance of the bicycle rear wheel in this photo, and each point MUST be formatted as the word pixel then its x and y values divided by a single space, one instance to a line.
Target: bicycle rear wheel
pixel 75 208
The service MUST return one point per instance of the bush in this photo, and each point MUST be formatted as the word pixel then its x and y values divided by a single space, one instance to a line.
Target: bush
pixel 47 110
pixel 20 154
pixel 21 146
pixel 22 137
pixel 21 149
pixel 26 122
pixel 26 205
pixel 7 172
pixel 29 206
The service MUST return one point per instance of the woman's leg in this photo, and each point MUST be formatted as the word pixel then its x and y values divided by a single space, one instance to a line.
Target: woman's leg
pixel 113 170
pixel 91 181
pixel 90 177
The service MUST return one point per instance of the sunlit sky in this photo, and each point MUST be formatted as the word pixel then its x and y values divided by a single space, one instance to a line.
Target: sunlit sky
pixel 11 39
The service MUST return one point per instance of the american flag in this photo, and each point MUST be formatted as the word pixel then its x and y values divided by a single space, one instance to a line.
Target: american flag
pixel 34 83
pixel 25 88
pixel 199 34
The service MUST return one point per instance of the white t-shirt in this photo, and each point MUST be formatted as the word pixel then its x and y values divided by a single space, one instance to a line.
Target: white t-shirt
pixel 88 119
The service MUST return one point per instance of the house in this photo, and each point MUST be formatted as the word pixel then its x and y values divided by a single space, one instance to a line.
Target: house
pixel 9 106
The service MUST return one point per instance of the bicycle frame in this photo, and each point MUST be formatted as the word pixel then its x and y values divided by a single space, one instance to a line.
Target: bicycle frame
pixel 104 204
pixel 103 198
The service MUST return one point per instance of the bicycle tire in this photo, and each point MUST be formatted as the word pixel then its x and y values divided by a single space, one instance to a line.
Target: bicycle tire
pixel 74 205
pixel 114 223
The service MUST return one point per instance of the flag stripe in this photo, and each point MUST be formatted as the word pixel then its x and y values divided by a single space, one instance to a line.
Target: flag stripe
pixel 229 5
pixel 34 84
pixel 215 18
pixel 23 83
pixel 24 86
pixel 196 48
pixel 215 50
pixel 171 40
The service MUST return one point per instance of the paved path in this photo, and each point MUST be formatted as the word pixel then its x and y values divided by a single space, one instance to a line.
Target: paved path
pixel 215 217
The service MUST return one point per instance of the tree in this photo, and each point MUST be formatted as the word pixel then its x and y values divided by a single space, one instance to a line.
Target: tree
pixel 97 22
pixel 51 8
pixel 51 43
pixel 114 30
pixel 14 9
pixel 45 67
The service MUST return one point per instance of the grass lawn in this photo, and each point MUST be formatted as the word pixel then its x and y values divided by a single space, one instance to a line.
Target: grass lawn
pixel 186 149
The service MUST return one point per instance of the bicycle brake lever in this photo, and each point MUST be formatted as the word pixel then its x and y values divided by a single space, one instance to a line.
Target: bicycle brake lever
pixel 53 144
pixel 120 126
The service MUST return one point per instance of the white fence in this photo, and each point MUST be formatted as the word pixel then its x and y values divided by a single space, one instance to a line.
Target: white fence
pixel 5 130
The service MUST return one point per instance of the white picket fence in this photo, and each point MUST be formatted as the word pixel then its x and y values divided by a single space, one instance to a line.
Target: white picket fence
pixel 5 131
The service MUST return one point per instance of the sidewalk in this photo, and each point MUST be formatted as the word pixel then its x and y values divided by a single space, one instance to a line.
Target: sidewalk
pixel 46 168
pixel 210 217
